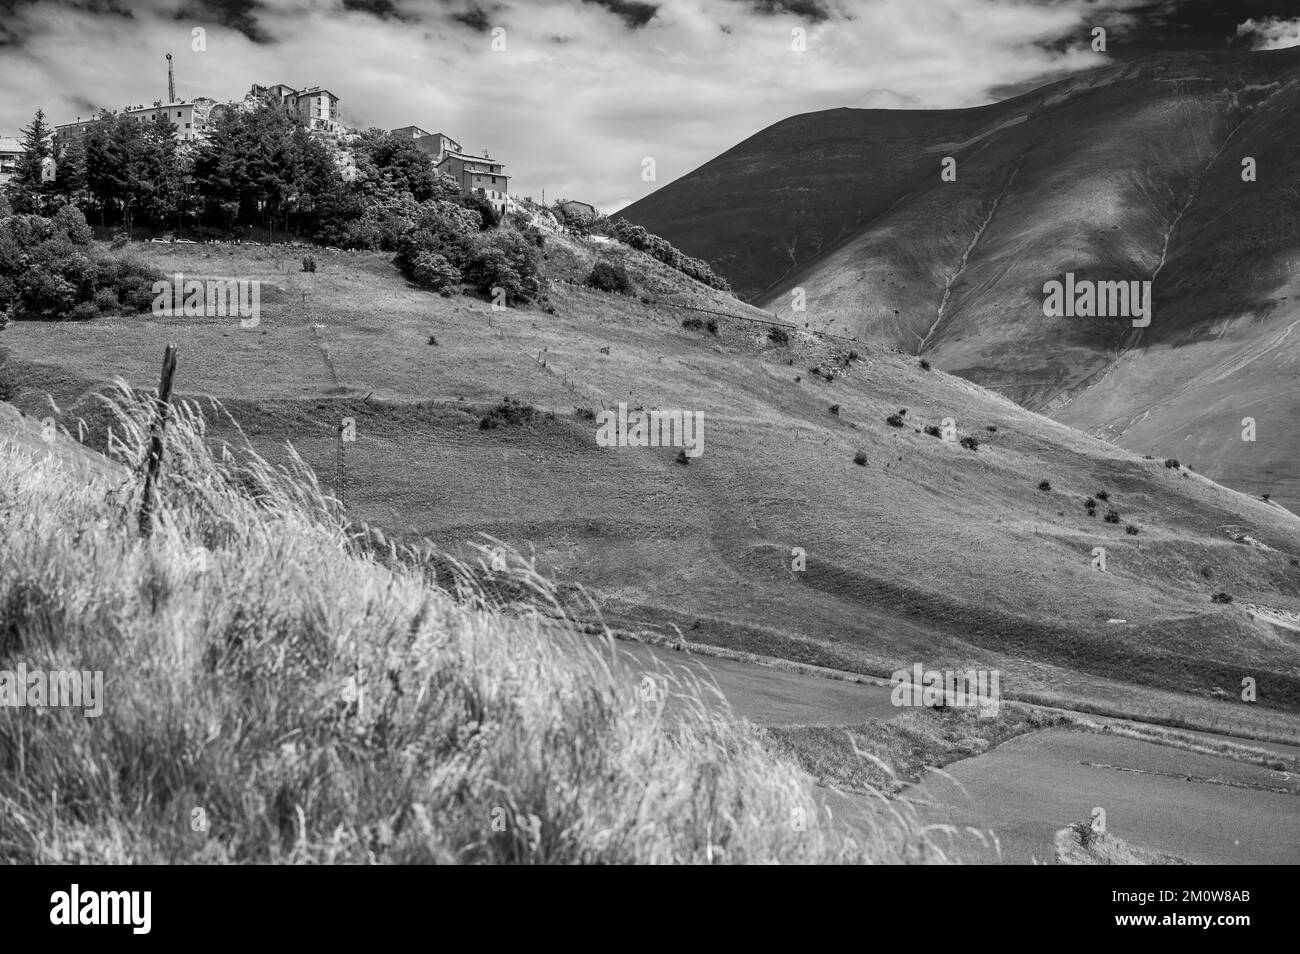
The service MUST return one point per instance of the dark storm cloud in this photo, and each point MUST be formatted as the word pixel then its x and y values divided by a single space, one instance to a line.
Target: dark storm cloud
pixel 810 10
pixel 634 13
pixel 15 29
pixel 237 15
pixel 475 18
pixel 383 9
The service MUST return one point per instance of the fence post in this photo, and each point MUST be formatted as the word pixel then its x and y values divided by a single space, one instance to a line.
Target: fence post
pixel 157 430
pixel 340 474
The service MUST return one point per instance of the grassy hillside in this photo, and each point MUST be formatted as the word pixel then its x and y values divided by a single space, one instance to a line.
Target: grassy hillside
pixel 281 688
pixel 929 552
pixel 1129 173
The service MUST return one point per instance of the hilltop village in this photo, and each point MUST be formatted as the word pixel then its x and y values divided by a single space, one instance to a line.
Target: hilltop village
pixel 315 107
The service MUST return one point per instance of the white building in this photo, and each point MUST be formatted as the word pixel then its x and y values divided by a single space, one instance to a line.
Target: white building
pixel 190 120
pixel 11 150
pixel 481 174
pixel 435 145
pixel 316 108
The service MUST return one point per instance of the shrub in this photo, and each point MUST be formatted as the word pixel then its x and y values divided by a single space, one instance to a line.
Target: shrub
pixel 1103 495
pixel 925 365
pixel 136 293
pixel 835 410
pixel 1131 530
pixel 308 263
pixel 532 234
pixel 692 324
pixel 433 340
pixel 1090 504
pixel 992 428
pixel 106 300
pixel 778 336
pixel 682 458
pixel 504 260
pixel 712 326
pixel 507 414
pixel 933 430
pixel 610 277
pixel 1044 485
pixel 970 443
pixel 83 311
pixel 70 222
pixel 860 458
pixel 573 217
pixel 48 268
pixel 584 413
pixel 433 271
pixel 1171 462
pixel 1221 598
pixel 1111 517
pixel 1087 834
pixel 475 202
pixel 894 420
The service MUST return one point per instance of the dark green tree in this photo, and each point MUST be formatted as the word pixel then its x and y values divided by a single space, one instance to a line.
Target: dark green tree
pixel 26 190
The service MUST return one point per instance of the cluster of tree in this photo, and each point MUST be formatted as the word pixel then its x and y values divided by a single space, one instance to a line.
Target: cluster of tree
pixel 610 277
pixel 446 245
pixel 50 271
pixel 637 237
pixel 579 220
pixel 257 166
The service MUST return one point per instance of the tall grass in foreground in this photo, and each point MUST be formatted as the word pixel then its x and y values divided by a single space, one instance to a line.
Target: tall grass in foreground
pixel 308 699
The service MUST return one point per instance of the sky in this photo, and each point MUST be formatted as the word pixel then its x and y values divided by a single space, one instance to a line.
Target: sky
pixel 575 95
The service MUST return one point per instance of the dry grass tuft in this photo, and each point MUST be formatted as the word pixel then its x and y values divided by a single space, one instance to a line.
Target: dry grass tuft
pixel 307 692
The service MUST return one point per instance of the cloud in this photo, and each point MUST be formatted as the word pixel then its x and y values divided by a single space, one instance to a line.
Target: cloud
pixel 1272 33
pixel 383 9
pixel 811 10
pixel 238 15
pixel 634 13
pixel 475 17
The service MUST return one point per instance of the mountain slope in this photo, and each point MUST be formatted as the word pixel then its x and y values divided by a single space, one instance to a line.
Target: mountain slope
pixel 929 552
pixel 1129 173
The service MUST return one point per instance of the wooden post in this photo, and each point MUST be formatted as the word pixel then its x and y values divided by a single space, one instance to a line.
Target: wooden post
pixel 156 430
pixel 339 473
